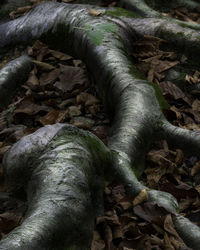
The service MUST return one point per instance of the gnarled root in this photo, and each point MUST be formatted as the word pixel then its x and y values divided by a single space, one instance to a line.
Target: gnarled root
pixel 63 168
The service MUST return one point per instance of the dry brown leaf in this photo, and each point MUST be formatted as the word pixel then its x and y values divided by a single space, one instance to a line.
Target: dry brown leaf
pixel 82 122
pixel 48 78
pixel 170 89
pixel 156 241
pixel 185 203
pixel 70 78
pixel 179 157
pixel 95 12
pixel 117 233
pixel 175 110
pixel 141 197
pixel 196 105
pixel 53 116
pixel 20 11
pixel 9 221
pixel 191 126
pixel 150 212
pixel 97 242
pixel 169 228
pixel 93 109
pixel 86 99
pixel 3 150
pixel 59 55
pixel 193 79
pixel 30 108
pixel 195 169
pixel 38 50
pixel 78 63
pixel 74 111
pixel 43 66
pixel 32 81
pixel 167 242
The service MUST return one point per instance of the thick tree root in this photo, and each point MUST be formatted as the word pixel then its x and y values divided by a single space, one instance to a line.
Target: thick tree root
pixel 6 6
pixel 11 76
pixel 154 9
pixel 63 168
pixel 150 8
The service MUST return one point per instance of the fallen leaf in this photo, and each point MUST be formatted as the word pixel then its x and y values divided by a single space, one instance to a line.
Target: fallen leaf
pixel 9 221
pixel 149 211
pixel 32 81
pixel 82 122
pixel 196 105
pixel 3 150
pixel 43 66
pixel 20 11
pixel 74 111
pixel 195 169
pixel 54 116
pixel 86 99
pixel 95 12
pixel 170 89
pixel 179 157
pixel 70 78
pixel 59 55
pixel 49 77
pixel 141 197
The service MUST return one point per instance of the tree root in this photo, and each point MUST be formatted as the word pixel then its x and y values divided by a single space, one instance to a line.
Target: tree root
pixel 13 74
pixel 63 168
pixel 6 6
pixel 150 8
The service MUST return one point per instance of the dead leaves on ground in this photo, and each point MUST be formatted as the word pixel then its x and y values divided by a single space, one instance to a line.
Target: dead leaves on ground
pixel 170 171
pixel 151 60
pixel 54 92
pixel 128 226
pixel 182 13
pixel 155 65
pixel 57 91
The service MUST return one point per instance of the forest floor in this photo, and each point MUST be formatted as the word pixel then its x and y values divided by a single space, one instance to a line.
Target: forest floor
pixel 58 90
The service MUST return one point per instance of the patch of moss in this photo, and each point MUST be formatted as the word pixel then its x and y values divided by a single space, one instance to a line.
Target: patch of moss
pixel 162 102
pixel 117 12
pixel 96 33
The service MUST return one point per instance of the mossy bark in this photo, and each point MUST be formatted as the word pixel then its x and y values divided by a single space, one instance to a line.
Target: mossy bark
pixel 63 168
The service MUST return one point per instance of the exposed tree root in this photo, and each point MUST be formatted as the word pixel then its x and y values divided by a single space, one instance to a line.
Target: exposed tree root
pixel 13 74
pixel 6 6
pixel 62 168
pixel 151 8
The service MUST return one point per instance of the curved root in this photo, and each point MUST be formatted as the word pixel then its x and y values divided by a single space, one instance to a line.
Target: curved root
pixel 58 164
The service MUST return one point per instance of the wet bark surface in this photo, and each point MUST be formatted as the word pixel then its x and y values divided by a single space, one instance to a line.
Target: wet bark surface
pixel 62 168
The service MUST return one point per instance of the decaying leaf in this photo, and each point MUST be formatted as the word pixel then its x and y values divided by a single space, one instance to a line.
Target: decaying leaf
pixel 70 78
pixel 53 116
pixel 95 12
pixel 170 89
pixel 20 11
pixel 195 169
pixel 43 66
pixel 59 55
pixel 193 79
pixel 141 197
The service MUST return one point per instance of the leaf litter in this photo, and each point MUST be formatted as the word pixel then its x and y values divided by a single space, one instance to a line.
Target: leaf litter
pixel 128 222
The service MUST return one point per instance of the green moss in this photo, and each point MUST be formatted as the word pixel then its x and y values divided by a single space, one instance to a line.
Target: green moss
pixel 162 102
pixel 136 73
pixel 117 12
pixel 96 33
